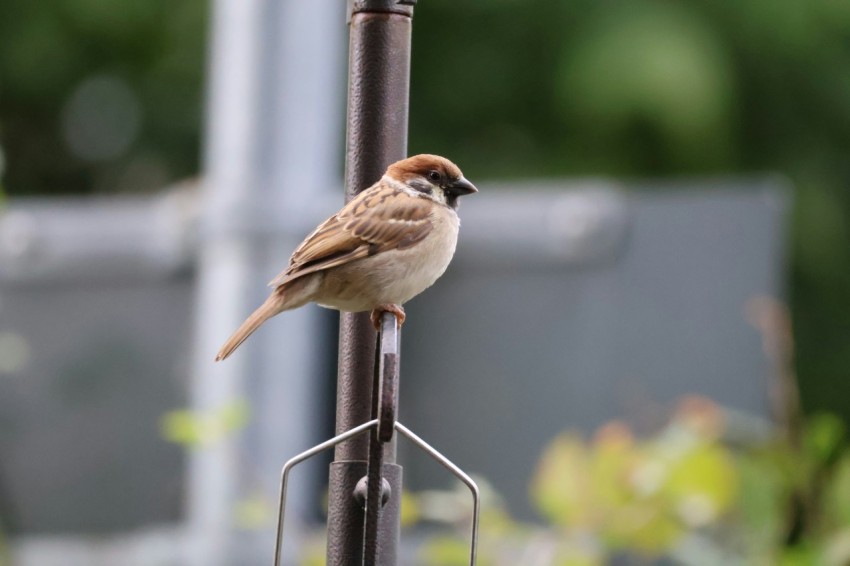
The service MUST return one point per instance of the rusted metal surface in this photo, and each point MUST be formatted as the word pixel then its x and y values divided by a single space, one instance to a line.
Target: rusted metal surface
pixel 377 136
pixel 379 78
pixel 345 518
pixel 373 504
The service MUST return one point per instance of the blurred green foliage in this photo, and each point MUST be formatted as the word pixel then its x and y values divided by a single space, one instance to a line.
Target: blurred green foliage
pixel 637 88
pixel 710 487
pixel 48 50
pixel 508 88
pixel 685 493
pixel 194 429
pixel 5 552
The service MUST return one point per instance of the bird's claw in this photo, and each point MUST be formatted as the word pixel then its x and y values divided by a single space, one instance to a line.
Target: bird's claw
pixel 378 311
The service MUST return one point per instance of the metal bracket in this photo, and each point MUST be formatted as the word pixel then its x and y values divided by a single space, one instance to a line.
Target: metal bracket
pixel 387 367
pixel 384 403
pixel 407 433
pixel 383 424
pixel 292 462
pixel 459 474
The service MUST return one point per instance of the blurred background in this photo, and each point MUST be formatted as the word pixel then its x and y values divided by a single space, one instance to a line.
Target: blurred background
pixel 655 275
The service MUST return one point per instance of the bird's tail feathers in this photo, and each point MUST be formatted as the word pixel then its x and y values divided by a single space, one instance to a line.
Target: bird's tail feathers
pixel 290 295
pixel 267 310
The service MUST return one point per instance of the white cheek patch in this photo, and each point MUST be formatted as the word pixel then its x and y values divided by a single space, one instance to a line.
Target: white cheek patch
pixel 439 195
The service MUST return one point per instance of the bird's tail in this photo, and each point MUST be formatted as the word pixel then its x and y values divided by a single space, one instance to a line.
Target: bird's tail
pixel 290 295
pixel 271 307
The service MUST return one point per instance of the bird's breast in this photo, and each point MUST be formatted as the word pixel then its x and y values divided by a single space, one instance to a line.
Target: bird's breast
pixel 393 276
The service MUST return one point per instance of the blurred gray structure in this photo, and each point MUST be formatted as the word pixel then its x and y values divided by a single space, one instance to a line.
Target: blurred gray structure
pixel 584 303
pixel 95 306
pixel 566 305
pixel 274 121
pixel 275 107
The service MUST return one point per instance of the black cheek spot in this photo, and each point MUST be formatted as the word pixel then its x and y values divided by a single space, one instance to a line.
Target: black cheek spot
pixel 421 186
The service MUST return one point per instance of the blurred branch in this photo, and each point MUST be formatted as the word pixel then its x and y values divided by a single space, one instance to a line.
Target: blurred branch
pixel 773 320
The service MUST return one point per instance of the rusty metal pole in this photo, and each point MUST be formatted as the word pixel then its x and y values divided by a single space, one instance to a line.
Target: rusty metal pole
pixel 379 79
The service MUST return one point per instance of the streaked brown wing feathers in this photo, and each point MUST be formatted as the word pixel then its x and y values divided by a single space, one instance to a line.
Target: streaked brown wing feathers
pixel 377 220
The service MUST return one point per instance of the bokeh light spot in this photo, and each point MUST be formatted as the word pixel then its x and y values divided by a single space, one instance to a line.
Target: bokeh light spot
pixel 15 353
pixel 101 118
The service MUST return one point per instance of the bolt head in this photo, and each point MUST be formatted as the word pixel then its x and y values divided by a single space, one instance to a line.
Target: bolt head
pixel 362 487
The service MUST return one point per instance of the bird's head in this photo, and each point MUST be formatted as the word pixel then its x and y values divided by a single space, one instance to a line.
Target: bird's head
pixel 435 177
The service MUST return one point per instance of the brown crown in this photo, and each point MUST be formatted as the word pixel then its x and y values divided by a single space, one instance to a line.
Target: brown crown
pixel 420 165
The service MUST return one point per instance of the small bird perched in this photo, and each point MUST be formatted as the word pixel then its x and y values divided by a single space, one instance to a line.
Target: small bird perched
pixel 387 245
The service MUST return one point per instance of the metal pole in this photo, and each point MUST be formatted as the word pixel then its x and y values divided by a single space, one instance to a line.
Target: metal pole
pixel 379 78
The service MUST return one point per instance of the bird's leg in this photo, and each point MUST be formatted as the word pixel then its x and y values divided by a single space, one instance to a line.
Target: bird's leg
pixel 397 310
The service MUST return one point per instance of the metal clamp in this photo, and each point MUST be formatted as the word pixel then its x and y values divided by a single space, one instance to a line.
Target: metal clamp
pixel 384 408
pixel 403 7
pixel 410 435
pixel 384 423
pixel 387 367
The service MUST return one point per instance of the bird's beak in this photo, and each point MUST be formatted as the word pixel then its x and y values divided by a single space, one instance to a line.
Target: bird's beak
pixel 462 187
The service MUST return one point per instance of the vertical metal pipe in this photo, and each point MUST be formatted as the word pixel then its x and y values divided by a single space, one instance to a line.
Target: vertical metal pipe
pixel 379 79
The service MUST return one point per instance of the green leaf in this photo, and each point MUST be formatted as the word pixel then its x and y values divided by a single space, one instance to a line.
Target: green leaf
pixel 197 429
pixel 703 484
pixel 561 488
pixel 643 527
pixel 823 435
pixel 799 555
pixel 762 503
pixel 255 512
pixel 445 551
pixel 836 495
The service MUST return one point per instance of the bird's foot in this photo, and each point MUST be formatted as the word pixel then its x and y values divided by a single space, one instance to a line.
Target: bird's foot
pixel 378 311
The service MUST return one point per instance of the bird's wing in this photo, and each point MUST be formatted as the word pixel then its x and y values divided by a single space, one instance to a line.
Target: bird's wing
pixel 379 219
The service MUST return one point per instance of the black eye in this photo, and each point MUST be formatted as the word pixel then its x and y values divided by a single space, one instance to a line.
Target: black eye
pixel 435 176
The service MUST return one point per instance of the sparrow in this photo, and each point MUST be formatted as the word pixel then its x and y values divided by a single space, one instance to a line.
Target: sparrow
pixel 387 245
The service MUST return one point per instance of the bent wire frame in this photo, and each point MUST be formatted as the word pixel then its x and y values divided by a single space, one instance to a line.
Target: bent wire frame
pixel 410 435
